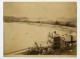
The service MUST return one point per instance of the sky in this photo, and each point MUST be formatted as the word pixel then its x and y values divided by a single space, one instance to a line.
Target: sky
pixel 47 10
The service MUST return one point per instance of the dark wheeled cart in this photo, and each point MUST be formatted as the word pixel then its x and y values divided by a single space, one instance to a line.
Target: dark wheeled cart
pixel 56 43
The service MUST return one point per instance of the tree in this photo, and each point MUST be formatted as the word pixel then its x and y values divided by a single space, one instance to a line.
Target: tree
pixel 56 23
pixel 67 23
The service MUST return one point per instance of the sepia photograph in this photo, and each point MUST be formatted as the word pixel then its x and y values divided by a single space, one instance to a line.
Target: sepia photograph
pixel 40 29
